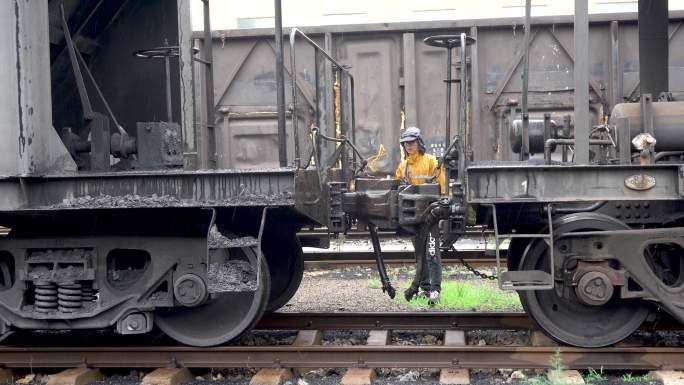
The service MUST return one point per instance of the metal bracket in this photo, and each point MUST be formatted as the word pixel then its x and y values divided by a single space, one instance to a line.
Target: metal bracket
pixel 260 254
pixel 647 114
pixel 525 279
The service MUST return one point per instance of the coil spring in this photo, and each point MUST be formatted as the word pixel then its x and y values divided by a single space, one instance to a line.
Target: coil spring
pixel 70 297
pixel 45 299
pixel 88 292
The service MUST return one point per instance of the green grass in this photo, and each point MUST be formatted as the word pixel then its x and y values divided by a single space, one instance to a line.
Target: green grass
pixel 374 283
pixel 629 377
pixel 466 296
pixel 594 376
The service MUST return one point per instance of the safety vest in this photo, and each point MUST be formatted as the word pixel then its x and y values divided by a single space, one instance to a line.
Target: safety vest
pixel 419 169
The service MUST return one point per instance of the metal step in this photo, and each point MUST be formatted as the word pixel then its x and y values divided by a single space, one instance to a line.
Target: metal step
pixel 526 280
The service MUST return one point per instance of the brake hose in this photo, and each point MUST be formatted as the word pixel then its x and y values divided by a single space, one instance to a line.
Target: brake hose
pixel 386 285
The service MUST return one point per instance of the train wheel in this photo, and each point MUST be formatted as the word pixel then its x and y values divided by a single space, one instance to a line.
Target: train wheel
pixel 563 316
pixel 286 263
pixel 224 317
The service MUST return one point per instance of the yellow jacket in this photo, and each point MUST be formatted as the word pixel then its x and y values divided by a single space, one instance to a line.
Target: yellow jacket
pixel 419 169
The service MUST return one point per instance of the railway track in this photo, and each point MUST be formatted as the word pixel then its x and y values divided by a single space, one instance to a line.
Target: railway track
pixel 308 352
pixel 332 356
pixel 355 248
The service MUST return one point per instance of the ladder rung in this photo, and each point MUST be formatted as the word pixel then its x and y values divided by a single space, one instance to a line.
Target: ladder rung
pixel 543 236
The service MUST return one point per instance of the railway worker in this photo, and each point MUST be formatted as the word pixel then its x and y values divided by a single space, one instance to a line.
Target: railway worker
pixel 419 167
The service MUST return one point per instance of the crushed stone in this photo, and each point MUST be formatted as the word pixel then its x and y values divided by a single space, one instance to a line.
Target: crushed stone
pixel 231 276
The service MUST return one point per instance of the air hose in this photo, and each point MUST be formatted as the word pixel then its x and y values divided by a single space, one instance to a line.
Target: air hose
pixel 382 271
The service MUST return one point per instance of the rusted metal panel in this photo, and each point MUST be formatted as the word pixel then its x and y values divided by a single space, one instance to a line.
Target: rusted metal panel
pixel 431 93
pixel 253 142
pixel 374 64
pixel 385 86
pixel 245 94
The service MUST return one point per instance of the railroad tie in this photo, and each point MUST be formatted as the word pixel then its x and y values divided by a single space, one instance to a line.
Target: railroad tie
pixel 566 377
pixel 306 338
pixel 538 339
pixel 277 376
pixel 631 342
pixel 271 376
pixel 668 377
pixel 378 338
pixel 168 376
pixel 6 376
pixel 358 376
pixel 454 376
pixel 365 376
pixel 75 376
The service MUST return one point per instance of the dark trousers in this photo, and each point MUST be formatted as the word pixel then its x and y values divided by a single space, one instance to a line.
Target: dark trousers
pixel 431 278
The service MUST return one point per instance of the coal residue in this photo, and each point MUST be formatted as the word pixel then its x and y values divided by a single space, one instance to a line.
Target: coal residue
pixel 124 201
pixel 216 240
pixel 151 201
pixel 235 275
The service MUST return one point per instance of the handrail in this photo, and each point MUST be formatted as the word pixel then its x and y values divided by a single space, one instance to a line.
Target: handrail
pixel 293 36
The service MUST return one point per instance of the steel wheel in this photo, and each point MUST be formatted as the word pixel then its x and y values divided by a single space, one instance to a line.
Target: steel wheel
pixel 566 319
pixel 223 318
pixel 286 263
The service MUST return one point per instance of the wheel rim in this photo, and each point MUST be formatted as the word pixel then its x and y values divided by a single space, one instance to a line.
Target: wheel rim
pixel 566 319
pixel 286 263
pixel 223 318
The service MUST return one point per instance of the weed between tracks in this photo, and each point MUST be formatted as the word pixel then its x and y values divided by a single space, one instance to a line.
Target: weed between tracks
pixel 461 296
pixel 553 376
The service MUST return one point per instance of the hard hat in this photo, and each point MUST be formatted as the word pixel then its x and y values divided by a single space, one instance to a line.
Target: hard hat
pixel 410 134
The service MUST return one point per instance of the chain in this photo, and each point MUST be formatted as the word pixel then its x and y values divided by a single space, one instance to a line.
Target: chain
pixel 473 270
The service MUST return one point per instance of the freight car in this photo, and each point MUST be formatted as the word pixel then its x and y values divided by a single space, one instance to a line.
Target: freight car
pixel 596 238
pixel 112 225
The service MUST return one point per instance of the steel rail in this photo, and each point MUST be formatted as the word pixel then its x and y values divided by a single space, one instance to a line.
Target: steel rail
pixel 390 356
pixel 396 321
pixel 417 321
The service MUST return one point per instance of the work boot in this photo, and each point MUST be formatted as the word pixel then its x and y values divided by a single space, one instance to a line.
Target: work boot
pixel 434 298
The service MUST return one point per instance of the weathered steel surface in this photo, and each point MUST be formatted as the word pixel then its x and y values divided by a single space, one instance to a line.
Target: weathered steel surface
pixel 138 189
pixel 416 321
pixel 489 183
pixel 29 144
pixel 395 72
pixel 398 321
pixel 581 78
